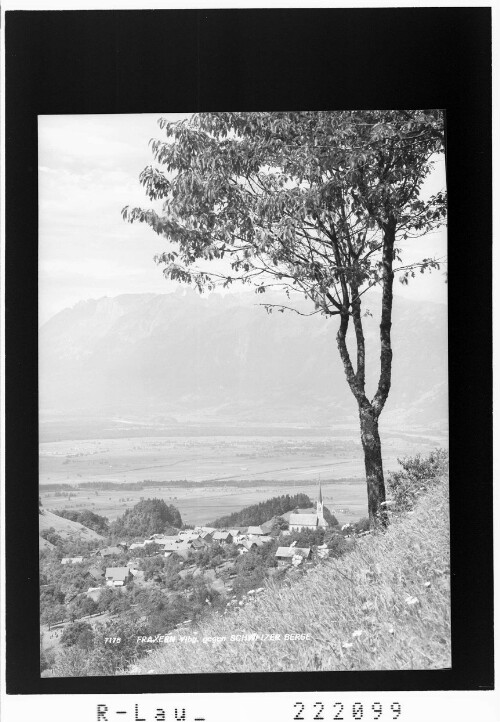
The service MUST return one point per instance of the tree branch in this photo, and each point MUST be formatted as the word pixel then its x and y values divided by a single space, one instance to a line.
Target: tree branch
pixel 384 383
pixel 360 338
pixel 346 360
pixel 289 308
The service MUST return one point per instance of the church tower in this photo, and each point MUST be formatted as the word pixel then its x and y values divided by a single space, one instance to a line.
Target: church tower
pixel 319 507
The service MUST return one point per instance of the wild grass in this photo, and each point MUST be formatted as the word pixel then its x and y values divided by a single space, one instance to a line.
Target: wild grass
pixel 386 605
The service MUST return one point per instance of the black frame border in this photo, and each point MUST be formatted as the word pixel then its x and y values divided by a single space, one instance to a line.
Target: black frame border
pixel 127 61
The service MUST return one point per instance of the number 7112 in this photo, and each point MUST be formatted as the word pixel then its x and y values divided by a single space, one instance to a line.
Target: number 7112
pixel 340 711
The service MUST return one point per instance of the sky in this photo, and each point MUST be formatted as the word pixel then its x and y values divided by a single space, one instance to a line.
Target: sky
pixel 89 168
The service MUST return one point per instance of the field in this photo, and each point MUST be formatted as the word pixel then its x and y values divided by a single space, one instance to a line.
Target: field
pixel 284 458
pixel 202 505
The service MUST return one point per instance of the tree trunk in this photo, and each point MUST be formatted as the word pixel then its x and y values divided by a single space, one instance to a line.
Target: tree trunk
pixel 369 412
pixel 372 449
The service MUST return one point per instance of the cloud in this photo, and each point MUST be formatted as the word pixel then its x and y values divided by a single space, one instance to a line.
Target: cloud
pixel 88 171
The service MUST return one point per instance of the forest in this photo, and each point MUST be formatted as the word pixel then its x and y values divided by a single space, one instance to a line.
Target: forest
pixel 264 511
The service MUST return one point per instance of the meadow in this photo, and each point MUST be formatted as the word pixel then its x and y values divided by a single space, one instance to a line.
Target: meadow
pixel 204 504
pixel 285 459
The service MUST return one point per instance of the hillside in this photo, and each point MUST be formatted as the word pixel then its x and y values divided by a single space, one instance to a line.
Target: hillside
pixel 385 605
pixel 68 530
pixel 225 358
pixel 44 544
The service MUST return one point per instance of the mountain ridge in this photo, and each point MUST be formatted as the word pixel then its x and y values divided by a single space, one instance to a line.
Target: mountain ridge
pixel 179 352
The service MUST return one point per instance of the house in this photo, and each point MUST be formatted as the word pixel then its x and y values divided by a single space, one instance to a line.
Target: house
pixel 266 539
pixel 208 529
pixel 267 526
pixel 138 574
pixel 188 534
pixel 180 547
pixel 259 539
pixel 199 544
pixel 109 551
pixel 299 522
pixel 72 560
pixel 206 536
pixel 152 546
pixel 223 537
pixel 246 544
pixel 272 527
pixel 285 555
pixel 163 542
pixel 174 546
pixel 182 552
pixel 96 574
pixel 144 544
pixel 253 542
pixel 256 531
pixel 117 576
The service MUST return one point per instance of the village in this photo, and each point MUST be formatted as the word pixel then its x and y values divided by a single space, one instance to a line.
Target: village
pixel 185 543
pixel 185 574
pixel 182 548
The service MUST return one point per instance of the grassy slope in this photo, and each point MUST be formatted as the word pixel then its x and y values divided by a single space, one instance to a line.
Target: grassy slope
pixel 66 528
pixel 44 544
pixel 369 591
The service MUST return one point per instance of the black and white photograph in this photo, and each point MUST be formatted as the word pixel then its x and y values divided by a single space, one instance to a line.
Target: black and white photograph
pixel 243 393
pixel 247 440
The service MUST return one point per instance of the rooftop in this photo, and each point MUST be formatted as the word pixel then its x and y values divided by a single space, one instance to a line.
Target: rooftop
pixel 118 574
pixel 289 552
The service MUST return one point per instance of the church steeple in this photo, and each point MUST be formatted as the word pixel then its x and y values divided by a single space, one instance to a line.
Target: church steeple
pixel 319 505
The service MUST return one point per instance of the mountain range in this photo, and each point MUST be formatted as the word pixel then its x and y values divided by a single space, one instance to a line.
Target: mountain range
pixel 182 355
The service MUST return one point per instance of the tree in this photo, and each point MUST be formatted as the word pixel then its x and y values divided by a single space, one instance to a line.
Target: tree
pixel 417 476
pixel 52 536
pixel 311 202
pixel 147 517
pixel 78 634
pixel 82 606
pixel 72 662
pixel 263 511
pixel 155 568
pixel 307 537
pixel 97 523
pixel 330 518
pixel 53 615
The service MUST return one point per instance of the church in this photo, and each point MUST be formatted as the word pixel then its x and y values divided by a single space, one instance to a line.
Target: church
pixel 309 520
